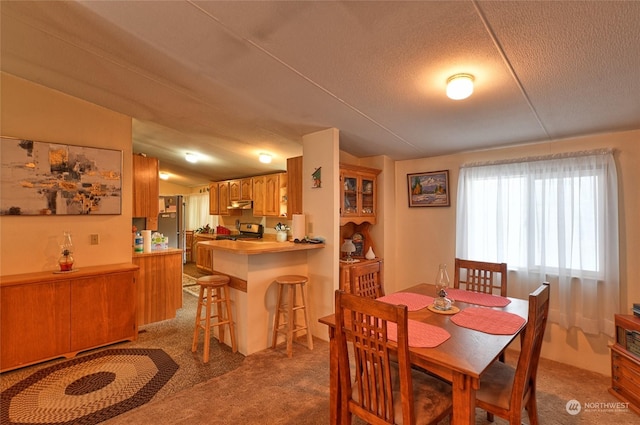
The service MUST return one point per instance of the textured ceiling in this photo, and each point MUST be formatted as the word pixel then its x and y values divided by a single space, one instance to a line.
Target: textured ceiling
pixel 233 79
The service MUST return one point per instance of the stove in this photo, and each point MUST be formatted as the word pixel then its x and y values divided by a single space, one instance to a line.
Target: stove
pixel 247 231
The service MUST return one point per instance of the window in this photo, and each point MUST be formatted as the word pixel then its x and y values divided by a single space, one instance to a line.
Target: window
pixel 552 219
pixel 197 211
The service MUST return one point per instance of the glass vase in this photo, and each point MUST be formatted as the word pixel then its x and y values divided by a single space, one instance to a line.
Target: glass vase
pixel 441 302
pixel 66 258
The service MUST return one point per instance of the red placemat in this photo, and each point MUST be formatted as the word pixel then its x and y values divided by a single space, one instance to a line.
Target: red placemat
pixel 487 300
pixel 413 301
pixel 488 321
pixel 420 334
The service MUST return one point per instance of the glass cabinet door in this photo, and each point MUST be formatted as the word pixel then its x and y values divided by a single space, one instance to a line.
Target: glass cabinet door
pixel 350 196
pixel 358 194
pixel 367 202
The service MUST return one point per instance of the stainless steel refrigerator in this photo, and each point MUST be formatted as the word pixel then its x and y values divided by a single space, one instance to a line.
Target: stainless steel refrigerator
pixel 171 221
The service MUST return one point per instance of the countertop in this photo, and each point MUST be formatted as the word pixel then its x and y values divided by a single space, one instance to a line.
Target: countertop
pixel 55 275
pixel 253 247
pixel 158 252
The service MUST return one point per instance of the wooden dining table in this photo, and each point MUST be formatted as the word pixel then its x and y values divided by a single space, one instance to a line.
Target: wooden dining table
pixel 460 360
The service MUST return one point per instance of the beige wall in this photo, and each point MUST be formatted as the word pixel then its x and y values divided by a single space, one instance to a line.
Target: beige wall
pixel 412 241
pixel 425 237
pixel 321 207
pixel 30 243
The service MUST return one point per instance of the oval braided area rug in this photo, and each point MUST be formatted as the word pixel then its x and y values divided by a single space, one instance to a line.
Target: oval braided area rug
pixel 88 390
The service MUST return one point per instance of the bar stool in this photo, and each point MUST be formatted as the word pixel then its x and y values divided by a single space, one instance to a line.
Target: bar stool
pixel 291 326
pixel 220 297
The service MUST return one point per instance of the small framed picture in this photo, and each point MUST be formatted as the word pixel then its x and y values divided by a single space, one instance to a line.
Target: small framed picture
pixel 429 189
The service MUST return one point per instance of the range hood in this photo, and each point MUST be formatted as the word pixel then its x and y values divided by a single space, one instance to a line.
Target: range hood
pixel 240 205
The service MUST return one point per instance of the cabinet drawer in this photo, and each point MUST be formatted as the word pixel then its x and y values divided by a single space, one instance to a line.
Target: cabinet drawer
pixel 625 376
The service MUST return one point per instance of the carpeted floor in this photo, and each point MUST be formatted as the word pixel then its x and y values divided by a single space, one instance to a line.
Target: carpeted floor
pixel 190 286
pixel 269 388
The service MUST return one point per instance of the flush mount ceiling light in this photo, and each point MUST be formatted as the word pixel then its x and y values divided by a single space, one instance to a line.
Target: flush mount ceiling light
pixel 163 175
pixel 459 86
pixel 191 157
pixel 265 158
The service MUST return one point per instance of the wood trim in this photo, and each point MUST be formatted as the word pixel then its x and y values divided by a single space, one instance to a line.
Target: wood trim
pixel 235 282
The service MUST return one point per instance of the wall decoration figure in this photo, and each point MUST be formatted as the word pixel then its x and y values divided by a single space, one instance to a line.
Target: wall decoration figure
pixel 429 189
pixel 40 178
pixel 317 178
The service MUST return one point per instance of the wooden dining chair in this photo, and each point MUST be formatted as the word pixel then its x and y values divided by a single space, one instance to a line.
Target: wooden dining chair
pixel 367 280
pixel 505 390
pixel 374 387
pixel 480 276
pixel 188 245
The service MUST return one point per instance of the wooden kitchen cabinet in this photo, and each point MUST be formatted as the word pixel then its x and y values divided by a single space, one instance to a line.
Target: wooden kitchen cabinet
pixel 268 194
pixel 258 195
pixel 625 361
pixel 223 198
pixel 214 206
pixel 246 189
pixel 294 186
pixel 45 315
pixel 357 194
pixel 146 187
pixel 159 293
pixel 204 258
pixel 240 189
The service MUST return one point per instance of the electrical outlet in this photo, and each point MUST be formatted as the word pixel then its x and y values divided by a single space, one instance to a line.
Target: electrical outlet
pixel 95 239
pixel 310 225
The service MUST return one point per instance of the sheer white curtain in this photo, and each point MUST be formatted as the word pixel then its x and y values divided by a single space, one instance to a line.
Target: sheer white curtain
pixel 550 219
pixel 197 211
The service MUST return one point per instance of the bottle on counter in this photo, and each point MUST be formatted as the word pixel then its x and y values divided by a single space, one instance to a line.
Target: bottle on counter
pixel 138 244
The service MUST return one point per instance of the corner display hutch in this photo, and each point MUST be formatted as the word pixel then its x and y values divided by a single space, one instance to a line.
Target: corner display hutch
pixel 358 198
pixel 625 361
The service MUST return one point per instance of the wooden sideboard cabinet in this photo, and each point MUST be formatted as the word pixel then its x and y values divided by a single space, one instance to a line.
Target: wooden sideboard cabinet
pixel 159 292
pixel 45 315
pixel 625 361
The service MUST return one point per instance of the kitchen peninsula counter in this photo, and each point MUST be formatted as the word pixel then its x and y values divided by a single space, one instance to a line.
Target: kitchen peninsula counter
pixel 259 246
pixel 252 266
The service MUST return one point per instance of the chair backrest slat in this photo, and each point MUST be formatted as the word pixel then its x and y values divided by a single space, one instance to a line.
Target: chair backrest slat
pixel 367 280
pixel 364 323
pixel 531 346
pixel 480 276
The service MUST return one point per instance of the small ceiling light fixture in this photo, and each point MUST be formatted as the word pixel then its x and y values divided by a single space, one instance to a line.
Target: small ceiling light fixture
pixel 265 158
pixel 459 86
pixel 191 157
pixel 164 175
